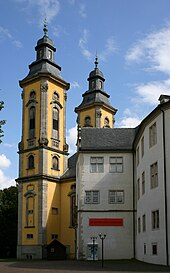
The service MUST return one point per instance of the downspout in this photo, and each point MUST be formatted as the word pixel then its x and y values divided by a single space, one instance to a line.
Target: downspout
pixel 165 189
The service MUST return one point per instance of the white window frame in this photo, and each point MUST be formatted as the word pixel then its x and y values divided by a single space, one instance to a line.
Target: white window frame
pixel 155 220
pixel 116 164
pixel 154 175
pixel 96 164
pixel 152 135
pixel 116 197
pixel 92 197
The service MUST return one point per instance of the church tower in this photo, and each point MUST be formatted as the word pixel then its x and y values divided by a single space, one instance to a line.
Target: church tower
pixel 95 109
pixel 43 152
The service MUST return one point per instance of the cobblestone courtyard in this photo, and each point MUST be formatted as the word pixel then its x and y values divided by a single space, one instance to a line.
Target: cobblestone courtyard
pixel 79 266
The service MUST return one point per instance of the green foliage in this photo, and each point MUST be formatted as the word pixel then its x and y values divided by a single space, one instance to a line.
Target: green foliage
pixel 2 122
pixel 8 222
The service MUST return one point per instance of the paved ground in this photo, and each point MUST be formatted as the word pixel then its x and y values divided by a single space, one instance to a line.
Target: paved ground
pixel 79 266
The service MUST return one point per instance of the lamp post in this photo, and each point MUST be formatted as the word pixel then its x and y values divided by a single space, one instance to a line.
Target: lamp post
pixel 93 241
pixel 102 237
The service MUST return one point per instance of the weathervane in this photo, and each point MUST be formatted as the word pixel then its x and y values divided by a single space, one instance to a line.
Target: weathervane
pixel 96 61
pixel 45 29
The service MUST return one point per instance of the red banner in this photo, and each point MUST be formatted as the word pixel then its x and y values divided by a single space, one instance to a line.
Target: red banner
pixel 106 222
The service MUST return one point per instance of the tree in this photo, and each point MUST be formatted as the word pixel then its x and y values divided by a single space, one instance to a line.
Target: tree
pixel 2 122
pixel 8 222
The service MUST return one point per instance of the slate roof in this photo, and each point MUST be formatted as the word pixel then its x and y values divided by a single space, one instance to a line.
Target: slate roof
pixel 71 171
pixel 107 139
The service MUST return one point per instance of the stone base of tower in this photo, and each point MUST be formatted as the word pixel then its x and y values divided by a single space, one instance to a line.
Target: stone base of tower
pixel 25 252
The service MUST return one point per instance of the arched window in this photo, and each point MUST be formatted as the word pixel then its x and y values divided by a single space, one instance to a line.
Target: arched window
pixel 32 122
pixel 56 96
pixel 30 210
pixel 55 163
pixel 31 162
pixel 106 123
pixel 30 205
pixel 32 95
pixel 55 123
pixel 87 122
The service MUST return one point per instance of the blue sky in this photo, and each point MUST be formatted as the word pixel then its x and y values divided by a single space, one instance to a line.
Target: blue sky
pixel 131 38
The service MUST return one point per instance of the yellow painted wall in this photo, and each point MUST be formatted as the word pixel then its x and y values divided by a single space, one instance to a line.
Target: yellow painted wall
pixel 87 112
pixel 106 113
pixel 91 112
pixel 67 233
pixel 27 89
pixel 53 201
pixel 51 88
pixel 30 230
pixel 26 171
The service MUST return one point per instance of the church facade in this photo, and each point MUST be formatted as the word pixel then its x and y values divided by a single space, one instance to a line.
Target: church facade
pixel 115 186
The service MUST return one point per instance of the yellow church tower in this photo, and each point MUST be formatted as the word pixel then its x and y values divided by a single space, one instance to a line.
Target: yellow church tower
pixel 45 189
pixel 95 110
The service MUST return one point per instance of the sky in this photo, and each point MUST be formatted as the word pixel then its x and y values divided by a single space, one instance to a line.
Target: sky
pixel 132 41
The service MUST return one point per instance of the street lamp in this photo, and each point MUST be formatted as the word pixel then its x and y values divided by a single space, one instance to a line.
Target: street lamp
pixel 102 237
pixel 93 241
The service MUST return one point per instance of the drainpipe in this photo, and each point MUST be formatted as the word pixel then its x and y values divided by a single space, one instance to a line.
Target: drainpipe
pixel 165 189
pixel 134 209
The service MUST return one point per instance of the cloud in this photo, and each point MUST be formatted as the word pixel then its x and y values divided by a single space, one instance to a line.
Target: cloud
pixel 82 11
pixel 74 85
pixel 9 145
pixel 45 8
pixel 5 34
pixel 83 45
pixel 110 48
pixel 152 51
pixel 129 120
pixel 149 93
pixel 4 161
pixel 6 182
pixel 72 139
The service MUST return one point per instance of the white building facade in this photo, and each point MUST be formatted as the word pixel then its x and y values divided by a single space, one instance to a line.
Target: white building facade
pixel 123 189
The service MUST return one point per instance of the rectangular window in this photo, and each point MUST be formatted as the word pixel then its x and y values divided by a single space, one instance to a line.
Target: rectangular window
pixel 144 249
pixel 92 197
pixel 155 219
pixel 139 228
pixel 154 175
pixel 143 183
pixel 96 164
pixel 54 236
pixel 152 135
pixel 29 236
pixel 116 197
pixel 116 164
pixel 54 211
pixel 142 146
pixel 138 188
pixel 154 249
pixel 144 223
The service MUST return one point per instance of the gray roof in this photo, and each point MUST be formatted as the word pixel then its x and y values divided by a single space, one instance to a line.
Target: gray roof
pixel 106 139
pixel 71 171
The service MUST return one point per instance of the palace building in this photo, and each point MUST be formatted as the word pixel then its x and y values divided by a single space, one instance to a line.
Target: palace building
pixel 117 185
